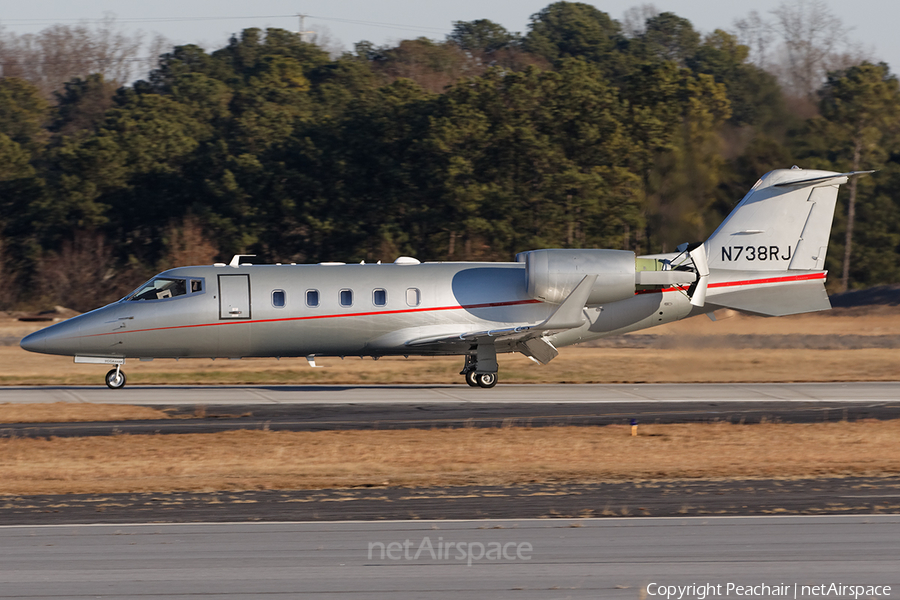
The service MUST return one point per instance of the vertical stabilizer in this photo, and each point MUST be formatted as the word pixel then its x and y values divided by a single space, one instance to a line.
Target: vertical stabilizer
pixel 768 256
pixel 783 223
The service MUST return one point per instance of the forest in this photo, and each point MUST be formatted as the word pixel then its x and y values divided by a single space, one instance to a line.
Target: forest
pixel 582 132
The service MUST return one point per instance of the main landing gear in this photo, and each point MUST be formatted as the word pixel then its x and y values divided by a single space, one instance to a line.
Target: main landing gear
pixel 486 379
pixel 115 379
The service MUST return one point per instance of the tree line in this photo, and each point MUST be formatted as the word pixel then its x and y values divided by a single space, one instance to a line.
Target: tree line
pixel 584 132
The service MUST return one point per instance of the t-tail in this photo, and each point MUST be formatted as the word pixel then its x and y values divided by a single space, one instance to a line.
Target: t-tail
pixel 768 256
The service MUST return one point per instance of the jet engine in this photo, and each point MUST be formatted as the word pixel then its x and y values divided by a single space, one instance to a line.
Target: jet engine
pixel 553 274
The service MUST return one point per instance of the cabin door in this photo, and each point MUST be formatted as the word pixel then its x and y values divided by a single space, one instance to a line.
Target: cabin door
pixel 234 297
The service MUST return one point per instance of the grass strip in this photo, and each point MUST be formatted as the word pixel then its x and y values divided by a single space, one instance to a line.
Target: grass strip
pixel 69 412
pixel 267 460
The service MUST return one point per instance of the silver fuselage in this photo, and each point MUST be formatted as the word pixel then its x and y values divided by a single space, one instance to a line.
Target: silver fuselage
pixel 234 315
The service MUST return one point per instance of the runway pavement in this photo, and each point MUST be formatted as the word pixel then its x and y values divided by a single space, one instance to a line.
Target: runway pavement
pixel 548 500
pixel 316 408
pixel 442 394
pixel 612 558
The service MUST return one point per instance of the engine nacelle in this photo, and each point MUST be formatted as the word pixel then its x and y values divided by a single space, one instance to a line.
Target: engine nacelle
pixel 553 274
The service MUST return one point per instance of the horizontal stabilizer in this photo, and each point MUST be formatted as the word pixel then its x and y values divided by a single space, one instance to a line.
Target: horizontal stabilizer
pixel 776 300
pixel 820 180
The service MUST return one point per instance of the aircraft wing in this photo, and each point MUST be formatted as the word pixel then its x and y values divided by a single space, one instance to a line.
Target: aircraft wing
pixel 527 339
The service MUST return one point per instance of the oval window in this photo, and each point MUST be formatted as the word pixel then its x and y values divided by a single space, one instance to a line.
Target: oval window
pixel 413 297
pixel 278 298
pixel 312 298
pixel 346 297
pixel 379 297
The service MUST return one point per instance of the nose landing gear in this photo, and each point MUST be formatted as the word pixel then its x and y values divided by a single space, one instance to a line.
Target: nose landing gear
pixel 115 379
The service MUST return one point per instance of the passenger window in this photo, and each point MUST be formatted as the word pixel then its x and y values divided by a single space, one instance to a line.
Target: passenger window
pixel 379 297
pixel 196 286
pixel 413 297
pixel 161 288
pixel 346 297
pixel 312 298
pixel 278 298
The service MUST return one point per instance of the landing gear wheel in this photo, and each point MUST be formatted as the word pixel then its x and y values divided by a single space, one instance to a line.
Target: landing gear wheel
pixel 486 380
pixel 115 379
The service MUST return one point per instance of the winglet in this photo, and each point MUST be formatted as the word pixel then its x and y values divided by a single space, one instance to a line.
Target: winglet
pixel 570 313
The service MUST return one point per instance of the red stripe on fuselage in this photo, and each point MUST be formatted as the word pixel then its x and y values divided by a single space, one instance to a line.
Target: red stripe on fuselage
pixel 330 316
pixel 805 277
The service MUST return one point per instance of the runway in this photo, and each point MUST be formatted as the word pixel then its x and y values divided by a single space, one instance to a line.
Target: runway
pixel 610 558
pixel 549 500
pixel 317 408
pixel 443 394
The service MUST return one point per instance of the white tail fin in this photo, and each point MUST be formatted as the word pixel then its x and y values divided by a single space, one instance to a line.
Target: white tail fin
pixel 768 256
pixel 783 223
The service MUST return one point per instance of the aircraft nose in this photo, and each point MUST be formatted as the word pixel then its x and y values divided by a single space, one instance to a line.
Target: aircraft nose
pixel 61 338
pixel 35 342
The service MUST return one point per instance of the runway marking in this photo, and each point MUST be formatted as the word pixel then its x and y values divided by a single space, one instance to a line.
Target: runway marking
pixel 449 395
pixel 75 398
pixel 828 395
pixel 264 397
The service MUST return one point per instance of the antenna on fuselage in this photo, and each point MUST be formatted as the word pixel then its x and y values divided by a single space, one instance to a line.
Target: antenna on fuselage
pixel 236 261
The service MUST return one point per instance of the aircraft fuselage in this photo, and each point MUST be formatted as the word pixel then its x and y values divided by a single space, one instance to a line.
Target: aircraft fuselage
pixel 330 310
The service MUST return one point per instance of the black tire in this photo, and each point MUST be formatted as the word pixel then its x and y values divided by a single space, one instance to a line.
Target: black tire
pixel 486 380
pixel 113 382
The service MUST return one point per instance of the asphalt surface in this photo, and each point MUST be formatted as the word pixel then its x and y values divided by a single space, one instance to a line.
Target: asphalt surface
pixel 837 496
pixel 319 417
pixel 205 409
pixel 442 394
pixel 614 558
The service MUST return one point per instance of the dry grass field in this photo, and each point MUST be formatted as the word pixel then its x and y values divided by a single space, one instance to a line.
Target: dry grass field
pixel 67 412
pixel 811 347
pixel 254 460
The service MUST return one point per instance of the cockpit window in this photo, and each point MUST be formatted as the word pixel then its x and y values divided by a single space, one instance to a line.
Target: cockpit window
pixel 160 288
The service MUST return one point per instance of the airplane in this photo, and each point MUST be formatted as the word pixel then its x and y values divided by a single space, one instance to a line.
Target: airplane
pixel 766 258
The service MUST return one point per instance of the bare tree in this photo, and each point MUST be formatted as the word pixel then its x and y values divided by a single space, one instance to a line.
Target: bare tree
pixel 60 53
pixel 81 276
pixel 756 33
pixel 157 46
pixel 187 244
pixel 813 42
pixel 324 39
pixel 9 287
pixel 634 21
